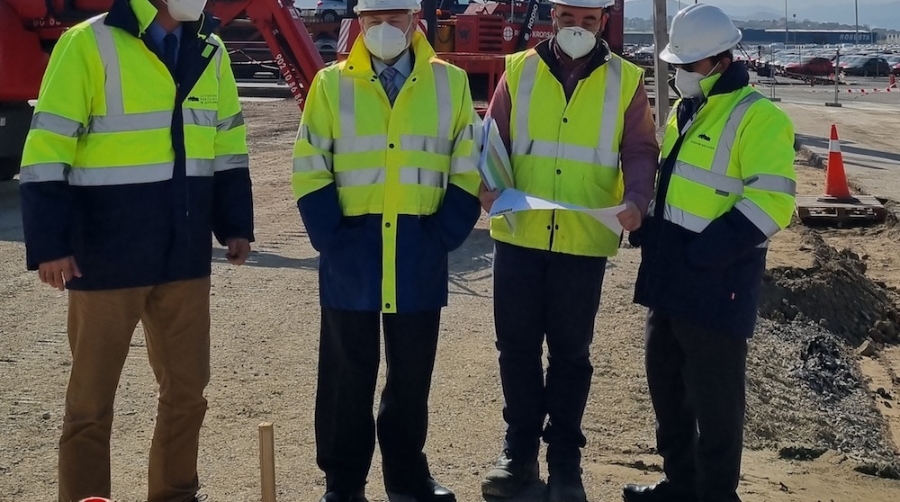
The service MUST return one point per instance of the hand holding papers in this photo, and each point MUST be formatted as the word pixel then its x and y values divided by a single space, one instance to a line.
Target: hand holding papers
pixel 512 200
pixel 497 174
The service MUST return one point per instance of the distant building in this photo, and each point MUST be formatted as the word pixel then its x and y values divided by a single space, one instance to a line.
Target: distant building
pixel 758 36
pixel 639 37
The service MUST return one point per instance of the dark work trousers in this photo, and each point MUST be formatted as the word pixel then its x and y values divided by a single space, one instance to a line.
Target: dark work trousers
pixel 538 293
pixel 697 381
pixel 349 354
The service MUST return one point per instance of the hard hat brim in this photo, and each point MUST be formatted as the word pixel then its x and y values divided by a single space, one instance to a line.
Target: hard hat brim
pixel 670 57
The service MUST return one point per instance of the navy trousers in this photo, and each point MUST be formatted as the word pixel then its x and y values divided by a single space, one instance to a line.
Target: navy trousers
pixel 540 294
pixel 697 384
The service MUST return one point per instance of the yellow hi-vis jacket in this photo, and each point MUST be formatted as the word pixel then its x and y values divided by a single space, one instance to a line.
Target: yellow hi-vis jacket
pixel 386 191
pixel 567 151
pixel 728 190
pixel 129 166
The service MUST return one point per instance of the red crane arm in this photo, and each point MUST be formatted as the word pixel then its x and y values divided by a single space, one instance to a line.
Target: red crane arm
pixel 284 32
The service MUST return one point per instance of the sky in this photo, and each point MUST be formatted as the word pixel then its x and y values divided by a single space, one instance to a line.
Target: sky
pixel 817 10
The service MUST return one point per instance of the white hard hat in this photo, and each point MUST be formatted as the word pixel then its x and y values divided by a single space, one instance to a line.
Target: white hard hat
pixel 699 31
pixel 586 4
pixel 378 5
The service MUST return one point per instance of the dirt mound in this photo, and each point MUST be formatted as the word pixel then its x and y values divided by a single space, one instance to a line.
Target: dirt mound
pixel 805 393
pixel 834 292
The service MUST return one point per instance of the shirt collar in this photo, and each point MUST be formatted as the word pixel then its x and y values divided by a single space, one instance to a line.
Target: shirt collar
pixel 157 32
pixel 403 65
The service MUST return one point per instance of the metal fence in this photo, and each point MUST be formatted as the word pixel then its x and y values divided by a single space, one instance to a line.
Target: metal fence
pixel 819 75
pixel 841 90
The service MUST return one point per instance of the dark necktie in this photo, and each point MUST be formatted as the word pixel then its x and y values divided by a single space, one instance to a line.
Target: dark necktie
pixel 170 51
pixel 387 80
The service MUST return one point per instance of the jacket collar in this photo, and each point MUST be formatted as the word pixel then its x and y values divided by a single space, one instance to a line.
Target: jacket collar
pixel 359 62
pixel 735 78
pixel 135 16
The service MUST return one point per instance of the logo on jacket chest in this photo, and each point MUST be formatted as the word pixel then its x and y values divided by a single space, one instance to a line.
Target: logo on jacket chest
pixel 703 140
pixel 204 99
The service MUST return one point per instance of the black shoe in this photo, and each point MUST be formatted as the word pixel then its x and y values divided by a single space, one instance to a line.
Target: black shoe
pixel 429 491
pixel 564 484
pixel 664 491
pixel 510 476
pixel 358 496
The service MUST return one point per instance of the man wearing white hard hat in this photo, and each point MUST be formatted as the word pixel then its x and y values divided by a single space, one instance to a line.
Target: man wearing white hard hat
pixel 386 183
pixel 726 186
pixel 578 126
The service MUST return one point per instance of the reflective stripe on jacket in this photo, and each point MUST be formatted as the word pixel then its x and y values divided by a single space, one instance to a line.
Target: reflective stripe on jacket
pixel 721 195
pixel 128 166
pixel 393 169
pixel 568 151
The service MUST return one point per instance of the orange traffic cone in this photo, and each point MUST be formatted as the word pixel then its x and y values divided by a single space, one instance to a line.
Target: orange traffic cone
pixel 835 179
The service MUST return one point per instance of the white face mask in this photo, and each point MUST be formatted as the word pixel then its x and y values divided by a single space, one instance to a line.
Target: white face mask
pixel 386 42
pixel 185 11
pixel 688 82
pixel 576 41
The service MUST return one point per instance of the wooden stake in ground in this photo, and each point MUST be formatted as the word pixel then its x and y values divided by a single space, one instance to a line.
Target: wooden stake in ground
pixel 267 461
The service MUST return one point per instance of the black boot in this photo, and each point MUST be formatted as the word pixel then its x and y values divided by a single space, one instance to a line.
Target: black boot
pixel 335 496
pixel 664 491
pixel 510 475
pixel 565 485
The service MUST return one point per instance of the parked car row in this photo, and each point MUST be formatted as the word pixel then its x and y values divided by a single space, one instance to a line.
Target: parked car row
pixel 822 62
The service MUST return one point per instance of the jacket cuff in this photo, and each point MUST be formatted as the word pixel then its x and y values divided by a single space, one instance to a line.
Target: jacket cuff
pixel 232 205
pixel 322 215
pixel 46 222
pixel 453 222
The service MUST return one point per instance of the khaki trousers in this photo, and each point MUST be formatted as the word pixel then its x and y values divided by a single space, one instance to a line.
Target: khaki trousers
pixel 101 323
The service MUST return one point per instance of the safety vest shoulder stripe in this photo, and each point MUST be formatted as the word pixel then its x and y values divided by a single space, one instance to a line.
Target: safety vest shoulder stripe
pixel 772 183
pixel 115 101
pixel 42 173
pixel 729 135
pixel 57 124
pixel 231 122
pixel 377 175
pixel 758 217
pixel 444 99
pixel 347 109
pixel 525 86
pixel 611 102
pixel 229 162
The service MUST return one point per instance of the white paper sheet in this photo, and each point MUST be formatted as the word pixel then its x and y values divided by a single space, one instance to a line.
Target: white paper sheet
pixel 512 201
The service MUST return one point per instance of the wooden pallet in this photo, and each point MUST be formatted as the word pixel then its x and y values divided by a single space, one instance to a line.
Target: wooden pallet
pixel 820 208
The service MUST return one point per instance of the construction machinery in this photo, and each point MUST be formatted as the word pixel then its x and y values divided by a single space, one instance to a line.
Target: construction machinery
pixel 476 39
pixel 30 28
